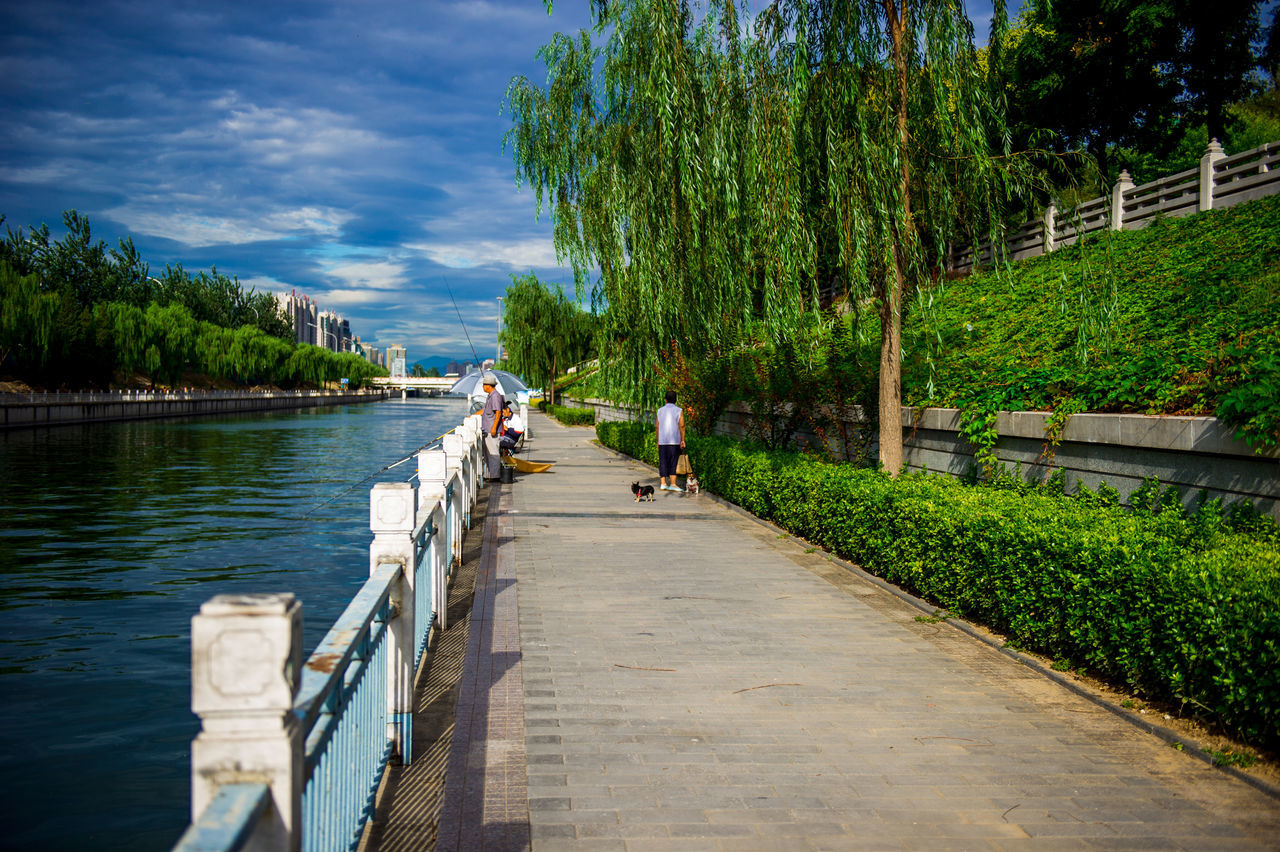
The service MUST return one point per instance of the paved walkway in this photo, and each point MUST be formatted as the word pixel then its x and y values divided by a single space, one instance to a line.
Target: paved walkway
pixel 685 678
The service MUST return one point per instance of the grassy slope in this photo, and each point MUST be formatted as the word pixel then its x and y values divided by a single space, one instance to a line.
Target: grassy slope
pixel 1163 321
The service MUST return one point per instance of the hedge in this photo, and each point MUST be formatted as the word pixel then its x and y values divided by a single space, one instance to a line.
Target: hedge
pixel 572 416
pixel 1179 608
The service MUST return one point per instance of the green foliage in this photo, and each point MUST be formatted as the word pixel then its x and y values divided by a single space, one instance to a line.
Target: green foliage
pixel 86 271
pixel 1253 402
pixel 1119 78
pixel 215 298
pixel 1164 602
pixel 1181 317
pixel 72 310
pixel 572 416
pixel 543 332
pixel 718 179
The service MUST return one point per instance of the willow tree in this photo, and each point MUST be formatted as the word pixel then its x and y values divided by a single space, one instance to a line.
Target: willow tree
pixel 648 154
pixel 715 178
pixel 543 331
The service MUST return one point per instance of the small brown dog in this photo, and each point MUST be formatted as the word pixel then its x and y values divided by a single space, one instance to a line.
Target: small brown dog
pixel 691 484
pixel 642 491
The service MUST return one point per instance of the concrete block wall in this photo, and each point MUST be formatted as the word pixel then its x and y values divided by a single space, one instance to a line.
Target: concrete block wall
pixel 1188 453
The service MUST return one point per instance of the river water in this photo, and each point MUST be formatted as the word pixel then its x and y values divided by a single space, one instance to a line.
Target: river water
pixel 111 536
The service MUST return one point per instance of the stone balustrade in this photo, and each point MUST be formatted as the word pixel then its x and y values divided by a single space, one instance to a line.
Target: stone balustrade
pixel 290 752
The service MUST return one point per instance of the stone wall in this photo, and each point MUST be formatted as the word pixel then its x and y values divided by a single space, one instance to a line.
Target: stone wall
pixel 1189 453
pixel 18 411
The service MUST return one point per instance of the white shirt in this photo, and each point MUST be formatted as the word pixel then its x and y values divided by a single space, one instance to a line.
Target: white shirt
pixel 669 424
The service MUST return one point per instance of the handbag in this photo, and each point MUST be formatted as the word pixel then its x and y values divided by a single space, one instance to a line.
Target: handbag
pixel 683 468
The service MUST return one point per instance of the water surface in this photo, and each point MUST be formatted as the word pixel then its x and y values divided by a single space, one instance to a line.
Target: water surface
pixel 111 536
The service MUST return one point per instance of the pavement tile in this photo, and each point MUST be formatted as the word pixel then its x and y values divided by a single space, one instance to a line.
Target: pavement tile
pixel 687 679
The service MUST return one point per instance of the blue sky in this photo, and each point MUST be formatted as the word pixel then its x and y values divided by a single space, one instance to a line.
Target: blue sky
pixel 350 150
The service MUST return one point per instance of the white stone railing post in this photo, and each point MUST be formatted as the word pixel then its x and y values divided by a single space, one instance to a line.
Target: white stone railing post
pixel 392 515
pixel 477 448
pixel 1050 227
pixel 454 449
pixel 431 494
pixel 1212 155
pixel 246 664
pixel 1123 185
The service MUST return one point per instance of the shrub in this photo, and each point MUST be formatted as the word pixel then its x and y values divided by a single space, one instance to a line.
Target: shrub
pixel 572 416
pixel 1172 605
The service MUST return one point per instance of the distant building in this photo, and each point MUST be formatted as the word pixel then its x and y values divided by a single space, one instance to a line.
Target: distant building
pixel 459 368
pixel 312 325
pixel 396 359
pixel 330 331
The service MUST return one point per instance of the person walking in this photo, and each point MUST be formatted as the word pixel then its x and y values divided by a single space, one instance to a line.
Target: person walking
pixel 670 430
pixel 491 425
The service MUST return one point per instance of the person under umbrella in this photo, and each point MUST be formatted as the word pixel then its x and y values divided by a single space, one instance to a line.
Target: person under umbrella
pixel 491 425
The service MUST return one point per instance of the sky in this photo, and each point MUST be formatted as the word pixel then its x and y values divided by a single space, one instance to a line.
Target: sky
pixel 351 151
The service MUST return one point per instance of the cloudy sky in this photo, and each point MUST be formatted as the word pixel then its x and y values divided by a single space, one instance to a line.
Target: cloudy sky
pixel 347 149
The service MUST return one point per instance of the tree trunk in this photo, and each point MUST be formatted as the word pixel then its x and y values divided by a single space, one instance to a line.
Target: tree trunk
pixel 891 372
pixel 890 385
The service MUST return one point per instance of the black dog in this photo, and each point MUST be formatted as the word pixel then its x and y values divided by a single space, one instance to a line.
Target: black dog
pixel 642 491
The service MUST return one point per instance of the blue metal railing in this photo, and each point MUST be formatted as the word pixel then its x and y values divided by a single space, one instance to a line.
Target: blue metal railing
pixel 352 709
pixel 228 823
pixel 343 709
pixel 424 540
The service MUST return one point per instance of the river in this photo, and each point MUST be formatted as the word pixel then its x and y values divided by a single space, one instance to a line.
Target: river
pixel 112 536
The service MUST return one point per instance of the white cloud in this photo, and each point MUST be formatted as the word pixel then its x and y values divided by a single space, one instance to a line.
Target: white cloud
pixel 519 255
pixel 47 173
pixel 276 136
pixel 193 229
pixel 371 275
pixel 347 298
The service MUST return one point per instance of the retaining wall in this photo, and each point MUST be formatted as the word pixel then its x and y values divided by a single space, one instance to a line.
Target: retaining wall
pixel 1189 453
pixel 19 411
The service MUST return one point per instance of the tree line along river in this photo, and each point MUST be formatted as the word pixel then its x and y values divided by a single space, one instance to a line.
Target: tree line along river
pixel 113 535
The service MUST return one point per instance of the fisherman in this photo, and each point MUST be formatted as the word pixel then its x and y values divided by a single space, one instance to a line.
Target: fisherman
pixel 491 425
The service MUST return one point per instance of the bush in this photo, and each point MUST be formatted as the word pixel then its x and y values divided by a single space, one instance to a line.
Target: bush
pixel 572 416
pixel 1172 605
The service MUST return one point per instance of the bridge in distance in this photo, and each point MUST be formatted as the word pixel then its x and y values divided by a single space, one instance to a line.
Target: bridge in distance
pixel 415 385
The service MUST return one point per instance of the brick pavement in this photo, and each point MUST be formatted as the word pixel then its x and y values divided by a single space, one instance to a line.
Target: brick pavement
pixel 693 680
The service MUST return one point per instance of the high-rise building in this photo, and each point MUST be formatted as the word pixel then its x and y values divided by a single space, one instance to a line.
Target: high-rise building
pixel 311 325
pixel 330 331
pixel 396 359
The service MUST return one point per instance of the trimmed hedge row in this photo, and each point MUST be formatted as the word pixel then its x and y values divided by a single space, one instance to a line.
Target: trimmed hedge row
pixel 1176 609
pixel 572 416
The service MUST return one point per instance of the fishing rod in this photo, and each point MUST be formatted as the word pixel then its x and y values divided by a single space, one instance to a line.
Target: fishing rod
pixel 433 442
pixel 474 354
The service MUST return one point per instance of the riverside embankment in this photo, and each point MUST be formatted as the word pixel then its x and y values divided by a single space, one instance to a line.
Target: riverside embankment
pixel 26 410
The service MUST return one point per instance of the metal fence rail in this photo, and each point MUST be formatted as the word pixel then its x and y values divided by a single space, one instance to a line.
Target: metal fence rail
pixel 1219 181
pixel 313 739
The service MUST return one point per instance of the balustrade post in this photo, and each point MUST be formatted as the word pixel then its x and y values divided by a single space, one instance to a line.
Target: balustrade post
pixel 470 468
pixel 1050 227
pixel 455 447
pixel 1212 154
pixel 392 515
pixel 477 447
pixel 246 662
pixel 432 473
pixel 456 494
pixel 1123 185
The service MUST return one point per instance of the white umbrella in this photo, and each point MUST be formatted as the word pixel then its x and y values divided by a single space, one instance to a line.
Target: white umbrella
pixel 508 384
